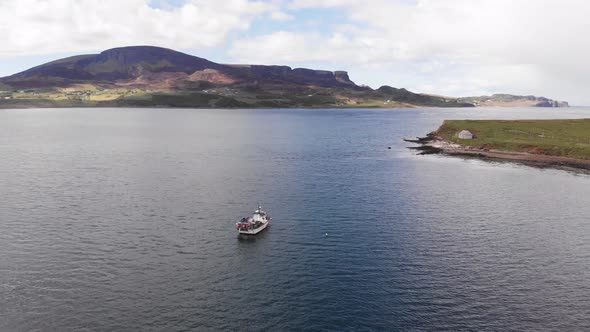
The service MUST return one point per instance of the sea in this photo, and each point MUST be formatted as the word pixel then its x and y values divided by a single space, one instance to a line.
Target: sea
pixel 124 220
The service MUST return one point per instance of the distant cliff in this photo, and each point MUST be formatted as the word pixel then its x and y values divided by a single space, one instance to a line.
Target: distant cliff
pixel 514 100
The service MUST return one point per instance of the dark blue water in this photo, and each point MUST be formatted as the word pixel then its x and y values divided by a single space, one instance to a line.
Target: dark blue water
pixel 123 220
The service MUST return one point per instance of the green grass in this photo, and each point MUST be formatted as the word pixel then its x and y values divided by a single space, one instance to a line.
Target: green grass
pixel 43 103
pixel 181 100
pixel 197 94
pixel 569 138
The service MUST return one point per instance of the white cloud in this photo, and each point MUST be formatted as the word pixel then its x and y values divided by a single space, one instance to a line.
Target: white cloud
pixel 486 46
pixel 281 16
pixel 54 26
pixel 453 47
pixel 291 47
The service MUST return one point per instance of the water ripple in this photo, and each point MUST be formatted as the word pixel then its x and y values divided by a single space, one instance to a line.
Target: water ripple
pixel 121 220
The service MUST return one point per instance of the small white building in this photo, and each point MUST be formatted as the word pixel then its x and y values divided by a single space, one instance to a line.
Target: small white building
pixel 465 134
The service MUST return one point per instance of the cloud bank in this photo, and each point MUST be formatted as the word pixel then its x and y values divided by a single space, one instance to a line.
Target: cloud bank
pixel 450 47
pixel 454 47
pixel 53 26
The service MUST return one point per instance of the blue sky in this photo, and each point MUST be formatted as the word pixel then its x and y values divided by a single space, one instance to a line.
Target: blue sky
pixel 447 47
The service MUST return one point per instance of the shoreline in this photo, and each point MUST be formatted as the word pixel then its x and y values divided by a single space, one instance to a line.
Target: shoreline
pixel 433 144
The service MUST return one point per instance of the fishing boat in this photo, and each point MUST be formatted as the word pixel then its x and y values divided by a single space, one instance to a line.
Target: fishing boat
pixel 255 224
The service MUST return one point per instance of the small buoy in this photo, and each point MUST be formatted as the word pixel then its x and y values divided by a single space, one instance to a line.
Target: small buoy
pixel 326 235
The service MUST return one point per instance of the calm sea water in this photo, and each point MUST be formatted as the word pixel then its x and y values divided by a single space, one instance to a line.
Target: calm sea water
pixel 123 220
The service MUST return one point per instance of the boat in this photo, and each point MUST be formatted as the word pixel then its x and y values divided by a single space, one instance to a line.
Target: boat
pixel 255 224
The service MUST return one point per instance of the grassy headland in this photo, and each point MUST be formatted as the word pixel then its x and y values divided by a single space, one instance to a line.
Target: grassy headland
pixel 562 138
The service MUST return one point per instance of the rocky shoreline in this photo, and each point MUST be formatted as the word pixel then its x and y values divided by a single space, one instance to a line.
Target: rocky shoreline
pixel 433 144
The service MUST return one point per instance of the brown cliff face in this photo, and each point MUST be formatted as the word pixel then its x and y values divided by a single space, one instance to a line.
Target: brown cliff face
pixel 342 76
pixel 299 76
pixel 142 62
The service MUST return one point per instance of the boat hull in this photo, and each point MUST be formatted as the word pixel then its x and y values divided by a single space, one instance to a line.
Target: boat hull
pixel 253 232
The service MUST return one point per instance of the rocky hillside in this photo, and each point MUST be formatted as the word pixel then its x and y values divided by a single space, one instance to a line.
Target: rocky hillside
pixel 147 65
pixel 154 76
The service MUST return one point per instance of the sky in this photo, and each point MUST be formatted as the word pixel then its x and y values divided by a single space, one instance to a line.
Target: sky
pixel 445 47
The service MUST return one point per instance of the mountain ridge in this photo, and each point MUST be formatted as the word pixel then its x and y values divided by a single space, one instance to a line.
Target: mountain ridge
pixel 129 62
pixel 155 76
